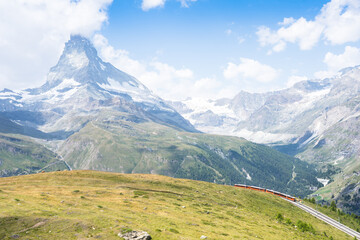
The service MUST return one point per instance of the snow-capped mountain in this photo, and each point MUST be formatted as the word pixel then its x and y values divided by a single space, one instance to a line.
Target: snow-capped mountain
pixel 303 115
pixel 82 84
pixel 274 117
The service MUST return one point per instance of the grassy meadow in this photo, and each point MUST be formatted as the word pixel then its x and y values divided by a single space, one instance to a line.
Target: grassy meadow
pixel 99 205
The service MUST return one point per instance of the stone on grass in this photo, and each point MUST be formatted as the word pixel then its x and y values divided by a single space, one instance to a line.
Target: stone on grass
pixel 135 235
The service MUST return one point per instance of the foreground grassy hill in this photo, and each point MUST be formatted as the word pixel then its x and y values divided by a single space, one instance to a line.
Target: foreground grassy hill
pixel 99 205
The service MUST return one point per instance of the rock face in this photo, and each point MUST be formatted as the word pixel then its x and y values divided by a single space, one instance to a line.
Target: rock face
pixel 135 235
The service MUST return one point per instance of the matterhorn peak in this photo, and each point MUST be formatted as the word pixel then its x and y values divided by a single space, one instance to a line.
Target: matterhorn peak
pixel 80 63
pixel 78 52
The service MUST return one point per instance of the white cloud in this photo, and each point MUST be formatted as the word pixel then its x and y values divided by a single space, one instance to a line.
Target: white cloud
pixel 165 80
pixel 149 4
pixel 170 72
pixel 33 33
pixel 251 69
pixel 241 40
pixel 342 21
pixel 350 58
pixel 337 23
pixel 118 57
pixel 323 74
pixel 228 31
pixel 185 3
pixel 287 21
pixel 295 79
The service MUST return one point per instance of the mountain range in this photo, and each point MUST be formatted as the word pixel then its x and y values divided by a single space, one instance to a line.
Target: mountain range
pixel 90 115
pixel 314 120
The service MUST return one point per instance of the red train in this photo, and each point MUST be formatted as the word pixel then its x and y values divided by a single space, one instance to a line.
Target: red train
pixel 291 198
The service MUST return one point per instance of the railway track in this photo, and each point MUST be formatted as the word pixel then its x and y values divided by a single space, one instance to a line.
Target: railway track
pixel 305 208
pixel 327 219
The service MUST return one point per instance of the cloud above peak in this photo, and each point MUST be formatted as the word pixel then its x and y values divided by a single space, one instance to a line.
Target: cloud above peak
pixel 251 69
pixel 32 35
pixel 337 23
pixel 335 62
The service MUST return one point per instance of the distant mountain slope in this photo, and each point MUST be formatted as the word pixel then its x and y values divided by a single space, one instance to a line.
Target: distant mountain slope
pixel 20 156
pixel 99 205
pixel 260 117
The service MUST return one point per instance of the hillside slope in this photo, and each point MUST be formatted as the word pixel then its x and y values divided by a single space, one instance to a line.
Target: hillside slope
pixel 120 142
pixel 20 155
pixel 88 204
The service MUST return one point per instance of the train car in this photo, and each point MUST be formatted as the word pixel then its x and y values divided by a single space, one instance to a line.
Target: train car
pixel 269 191
pixel 240 185
pixel 279 194
pixel 257 188
pixel 291 198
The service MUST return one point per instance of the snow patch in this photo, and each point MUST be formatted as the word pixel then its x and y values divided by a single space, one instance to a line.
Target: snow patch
pixel 55 94
pixel 136 91
pixel 102 66
pixel 263 137
pixel 338 160
pixel 77 60
pixel 200 105
pixel 323 181
pixel 248 177
pixel 328 119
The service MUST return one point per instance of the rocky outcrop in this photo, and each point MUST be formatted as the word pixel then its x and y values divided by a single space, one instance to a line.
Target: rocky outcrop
pixel 135 235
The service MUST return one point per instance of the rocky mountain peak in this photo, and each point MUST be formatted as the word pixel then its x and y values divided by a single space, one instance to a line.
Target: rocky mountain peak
pixel 79 62
pixel 349 69
pixel 80 65
pixel 79 52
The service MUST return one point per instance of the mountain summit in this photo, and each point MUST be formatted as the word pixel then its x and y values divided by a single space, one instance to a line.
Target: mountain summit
pixel 80 62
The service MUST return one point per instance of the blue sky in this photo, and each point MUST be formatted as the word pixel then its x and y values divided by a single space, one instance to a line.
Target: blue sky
pixel 192 48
